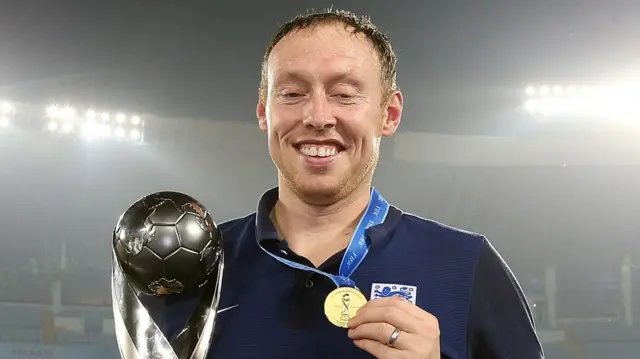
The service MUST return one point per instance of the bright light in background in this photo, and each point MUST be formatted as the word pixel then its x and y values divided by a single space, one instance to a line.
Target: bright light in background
pixel 55 112
pixel 135 135
pixel 67 127
pixel 6 113
pixel 6 108
pixel 119 132
pixel 68 112
pixel 558 90
pixel 105 131
pixel 611 101
pixel 530 91
pixel 52 111
pixel 90 130
pixel 67 120
pixel 94 125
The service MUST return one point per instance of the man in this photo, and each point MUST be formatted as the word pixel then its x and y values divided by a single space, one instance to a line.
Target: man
pixel 295 279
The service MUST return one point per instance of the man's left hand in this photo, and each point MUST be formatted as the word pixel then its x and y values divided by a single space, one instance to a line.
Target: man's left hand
pixel 419 332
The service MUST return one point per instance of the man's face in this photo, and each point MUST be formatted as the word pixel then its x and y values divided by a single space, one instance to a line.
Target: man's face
pixel 325 112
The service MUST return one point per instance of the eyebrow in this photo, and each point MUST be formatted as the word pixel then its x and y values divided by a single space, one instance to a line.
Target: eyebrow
pixel 346 77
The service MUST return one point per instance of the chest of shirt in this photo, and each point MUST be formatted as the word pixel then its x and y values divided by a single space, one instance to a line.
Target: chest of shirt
pixel 276 313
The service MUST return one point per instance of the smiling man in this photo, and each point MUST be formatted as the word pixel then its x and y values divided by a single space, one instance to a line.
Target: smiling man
pixel 326 268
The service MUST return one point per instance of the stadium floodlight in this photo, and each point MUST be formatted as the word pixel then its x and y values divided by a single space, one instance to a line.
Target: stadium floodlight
pixel 118 130
pixel 135 135
pixel 67 127
pixel 530 91
pixel 611 101
pixel 6 108
pixel 52 111
pixel 105 131
pixel 90 130
pixel 95 124
pixel 68 113
pixel 6 113
pixel 558 90
pixel 119 133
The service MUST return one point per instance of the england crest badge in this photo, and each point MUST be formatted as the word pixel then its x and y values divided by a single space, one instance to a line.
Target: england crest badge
pixel 385 290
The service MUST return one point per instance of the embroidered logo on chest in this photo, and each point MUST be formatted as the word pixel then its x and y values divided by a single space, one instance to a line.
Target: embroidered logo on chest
pixel 385 290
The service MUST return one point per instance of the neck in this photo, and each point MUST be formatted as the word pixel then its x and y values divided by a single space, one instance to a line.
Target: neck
pixel 308 227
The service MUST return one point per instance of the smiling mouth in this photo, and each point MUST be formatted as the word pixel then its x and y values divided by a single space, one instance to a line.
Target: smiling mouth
pixel 319 151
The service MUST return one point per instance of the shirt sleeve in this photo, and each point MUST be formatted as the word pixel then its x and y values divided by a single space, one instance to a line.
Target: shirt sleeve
pixel 500 322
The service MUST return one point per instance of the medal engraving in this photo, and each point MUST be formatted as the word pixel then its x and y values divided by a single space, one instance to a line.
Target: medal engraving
pixel 342 304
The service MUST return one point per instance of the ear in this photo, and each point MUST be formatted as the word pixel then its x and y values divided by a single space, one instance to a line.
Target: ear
pixel 261 113
pixel 392 114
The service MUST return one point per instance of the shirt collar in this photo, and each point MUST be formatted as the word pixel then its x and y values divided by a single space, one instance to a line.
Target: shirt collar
pixel 266 230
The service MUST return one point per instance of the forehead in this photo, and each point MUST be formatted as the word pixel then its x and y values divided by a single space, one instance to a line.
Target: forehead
pixel 324 50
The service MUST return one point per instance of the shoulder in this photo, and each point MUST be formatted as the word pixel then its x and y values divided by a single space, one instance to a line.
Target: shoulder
pixel 442 253
pixel 484 260
pixel 236 233
pixel 423 231
pixel 236 225
pixel 439 247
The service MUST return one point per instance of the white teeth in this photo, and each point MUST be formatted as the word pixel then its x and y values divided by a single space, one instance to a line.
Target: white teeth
pixel 318 151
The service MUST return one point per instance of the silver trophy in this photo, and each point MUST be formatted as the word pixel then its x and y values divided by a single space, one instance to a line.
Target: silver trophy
pixel 165 244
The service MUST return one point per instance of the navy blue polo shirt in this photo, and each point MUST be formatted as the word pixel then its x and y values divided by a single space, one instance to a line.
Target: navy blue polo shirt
pixel 269 310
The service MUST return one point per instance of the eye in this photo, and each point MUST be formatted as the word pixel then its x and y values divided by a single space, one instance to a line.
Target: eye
pixel 345 98
pixel 292 95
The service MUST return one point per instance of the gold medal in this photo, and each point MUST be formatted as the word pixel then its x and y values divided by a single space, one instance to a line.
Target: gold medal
pixel 342 304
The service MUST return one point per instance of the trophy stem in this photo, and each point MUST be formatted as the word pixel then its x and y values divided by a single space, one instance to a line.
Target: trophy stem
pixel 139 337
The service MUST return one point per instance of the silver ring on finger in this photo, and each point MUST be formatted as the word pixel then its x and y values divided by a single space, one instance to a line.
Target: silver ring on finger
pixel 394 337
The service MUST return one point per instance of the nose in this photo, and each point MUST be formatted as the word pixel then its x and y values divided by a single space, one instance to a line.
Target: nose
pixel 317 113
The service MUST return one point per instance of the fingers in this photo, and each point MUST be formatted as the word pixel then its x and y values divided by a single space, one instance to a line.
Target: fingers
pixel 391 315
pixel 381 333
pixel 397 312
pixel 403 304
pixel 373 325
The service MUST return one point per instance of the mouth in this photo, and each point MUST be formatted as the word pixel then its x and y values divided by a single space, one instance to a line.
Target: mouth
pixel 320 153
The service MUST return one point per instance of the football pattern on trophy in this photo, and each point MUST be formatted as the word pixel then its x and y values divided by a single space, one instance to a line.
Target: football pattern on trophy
pixel 167 243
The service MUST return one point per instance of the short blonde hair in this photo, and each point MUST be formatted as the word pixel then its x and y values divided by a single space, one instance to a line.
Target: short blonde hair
pixel 356 24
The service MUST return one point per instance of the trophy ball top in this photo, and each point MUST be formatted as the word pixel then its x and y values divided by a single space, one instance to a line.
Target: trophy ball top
pixel 167 243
